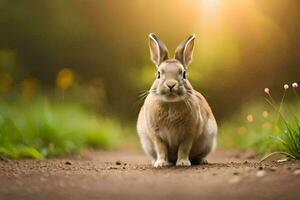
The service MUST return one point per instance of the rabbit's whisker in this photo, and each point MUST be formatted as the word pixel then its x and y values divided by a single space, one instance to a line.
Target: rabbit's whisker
pixel 140 99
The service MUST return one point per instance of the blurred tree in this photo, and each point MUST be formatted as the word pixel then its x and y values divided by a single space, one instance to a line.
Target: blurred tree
pixel 241 47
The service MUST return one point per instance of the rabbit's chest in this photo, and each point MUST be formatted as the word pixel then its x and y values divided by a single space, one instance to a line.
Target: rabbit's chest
pixel 171 136
pixel 173 126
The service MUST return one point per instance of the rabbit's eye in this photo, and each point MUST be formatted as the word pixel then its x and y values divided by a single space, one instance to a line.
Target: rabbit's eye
pixel 184 75
pixel 158 75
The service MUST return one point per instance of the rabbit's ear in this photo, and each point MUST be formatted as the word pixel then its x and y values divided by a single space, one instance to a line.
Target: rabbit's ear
pixel 184 52
pixel 158 50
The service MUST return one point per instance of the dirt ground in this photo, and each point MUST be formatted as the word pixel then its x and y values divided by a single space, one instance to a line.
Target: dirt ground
pixel 128 175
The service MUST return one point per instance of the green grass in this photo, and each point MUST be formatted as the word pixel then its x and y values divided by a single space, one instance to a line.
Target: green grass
pixel 40 129
pixel 264 128
pixel 290 139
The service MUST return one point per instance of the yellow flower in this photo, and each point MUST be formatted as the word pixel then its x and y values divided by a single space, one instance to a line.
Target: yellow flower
pixel 65 78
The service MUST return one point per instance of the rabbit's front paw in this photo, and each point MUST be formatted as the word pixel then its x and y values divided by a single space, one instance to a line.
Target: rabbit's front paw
pixel 161 163
pixel 203 161
pixel 183 162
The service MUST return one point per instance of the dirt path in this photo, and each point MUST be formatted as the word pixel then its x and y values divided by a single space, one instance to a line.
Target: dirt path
pixel 127 175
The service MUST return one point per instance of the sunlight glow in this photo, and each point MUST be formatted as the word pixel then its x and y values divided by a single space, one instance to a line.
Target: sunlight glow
pixel 226 24
pixel 210 3
pixel 210 7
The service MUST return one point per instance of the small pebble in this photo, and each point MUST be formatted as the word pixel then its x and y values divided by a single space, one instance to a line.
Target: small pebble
pixel 283 160
pixel 297 172
pixel 68 163
pixel 118 162
pixel 260 173
pixel 261 168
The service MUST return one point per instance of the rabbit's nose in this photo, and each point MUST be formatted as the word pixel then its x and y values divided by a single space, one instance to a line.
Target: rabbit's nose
pixel 171 84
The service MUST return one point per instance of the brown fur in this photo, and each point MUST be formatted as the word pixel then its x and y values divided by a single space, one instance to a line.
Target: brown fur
pixel 176 123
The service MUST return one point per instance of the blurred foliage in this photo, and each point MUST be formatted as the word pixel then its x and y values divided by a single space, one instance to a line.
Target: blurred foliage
pixel 240 46
pixel 37 128
pixel 252 128
pixel 264 128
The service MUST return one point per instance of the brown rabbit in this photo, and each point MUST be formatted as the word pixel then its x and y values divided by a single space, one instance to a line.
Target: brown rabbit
pixel 175 124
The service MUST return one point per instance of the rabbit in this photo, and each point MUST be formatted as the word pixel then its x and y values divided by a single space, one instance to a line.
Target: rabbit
pixel 175 123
